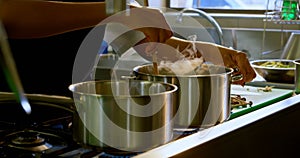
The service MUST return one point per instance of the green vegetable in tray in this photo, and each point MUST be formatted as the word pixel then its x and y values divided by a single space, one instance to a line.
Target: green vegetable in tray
pixel 276 64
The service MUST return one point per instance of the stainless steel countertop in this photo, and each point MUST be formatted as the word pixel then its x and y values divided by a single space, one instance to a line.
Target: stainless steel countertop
pixel 188 142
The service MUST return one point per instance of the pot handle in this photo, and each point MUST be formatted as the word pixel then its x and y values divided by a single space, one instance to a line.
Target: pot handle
pixel 237 77
pixel 128 77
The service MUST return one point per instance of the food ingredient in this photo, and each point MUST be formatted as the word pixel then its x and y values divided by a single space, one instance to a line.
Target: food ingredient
pixel 180 67
pixel 186 65
pixel 266 89
pixel 238 101
pixel 276 64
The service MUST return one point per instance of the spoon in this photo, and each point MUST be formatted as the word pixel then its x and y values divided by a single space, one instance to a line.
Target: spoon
pixel 10 71
pixel 155 64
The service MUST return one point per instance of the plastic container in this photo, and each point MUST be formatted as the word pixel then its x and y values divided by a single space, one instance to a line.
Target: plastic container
pixel 289 10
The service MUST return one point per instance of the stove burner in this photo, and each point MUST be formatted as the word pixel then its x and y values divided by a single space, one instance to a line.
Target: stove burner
pixel 30 141
pixel 46 132
pixel 34 141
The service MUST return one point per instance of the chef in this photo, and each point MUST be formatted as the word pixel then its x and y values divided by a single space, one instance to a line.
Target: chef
pixel 34 19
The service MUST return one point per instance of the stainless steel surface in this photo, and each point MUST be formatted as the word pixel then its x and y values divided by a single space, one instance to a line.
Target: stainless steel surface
pixel 291 49
pixel 203 100
pixel 297 76
pixel 10 71
pixel 115 6
pixel 207 17
pixel 126 115
pixel 270 74
pixel 205 136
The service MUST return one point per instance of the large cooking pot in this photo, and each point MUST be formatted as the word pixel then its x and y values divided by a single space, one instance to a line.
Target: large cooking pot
pixel 127 115
pixel 203 100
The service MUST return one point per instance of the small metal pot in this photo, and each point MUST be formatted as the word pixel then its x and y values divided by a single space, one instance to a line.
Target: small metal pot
pixel 127 115
pixel 297 76
pixel 202 100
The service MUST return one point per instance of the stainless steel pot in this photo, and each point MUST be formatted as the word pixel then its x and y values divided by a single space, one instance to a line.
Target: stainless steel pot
pixel 124 115
pixel 203 100
pixel 297 76
pixel 275 74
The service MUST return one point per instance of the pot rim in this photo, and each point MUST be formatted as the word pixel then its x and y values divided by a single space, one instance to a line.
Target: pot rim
pixel 296 61
pixel 228 72
pixel 272 68
pixel 72 87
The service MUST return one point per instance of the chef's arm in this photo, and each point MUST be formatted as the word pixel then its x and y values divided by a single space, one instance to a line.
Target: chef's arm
pixel 219 55
pixel 209 51
pixel 37 18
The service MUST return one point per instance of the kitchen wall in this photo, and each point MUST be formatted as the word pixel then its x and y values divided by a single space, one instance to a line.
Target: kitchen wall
pixel 249 33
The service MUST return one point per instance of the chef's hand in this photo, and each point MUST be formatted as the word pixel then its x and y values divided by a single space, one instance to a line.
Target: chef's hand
pixel 239 62
pixel 227 57
pixel 216 54
pixel 156 28
pixel 149 21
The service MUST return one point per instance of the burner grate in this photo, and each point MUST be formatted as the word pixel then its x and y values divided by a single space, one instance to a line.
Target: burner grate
pixel 33 141
pixel 46 132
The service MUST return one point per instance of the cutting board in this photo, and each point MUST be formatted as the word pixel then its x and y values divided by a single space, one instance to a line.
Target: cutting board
pixel 258 97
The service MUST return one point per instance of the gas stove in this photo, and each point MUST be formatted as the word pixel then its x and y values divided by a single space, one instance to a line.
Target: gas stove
pixel 46 132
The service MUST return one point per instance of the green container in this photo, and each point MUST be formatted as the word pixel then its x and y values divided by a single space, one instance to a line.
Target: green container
pixel 289 10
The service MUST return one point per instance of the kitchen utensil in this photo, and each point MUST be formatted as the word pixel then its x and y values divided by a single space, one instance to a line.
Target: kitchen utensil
pixel 297 76
pixel 275 74
pixel 203 100
pixel 155 63
pixel 10 71
pixel 126 115
pixel 270 51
